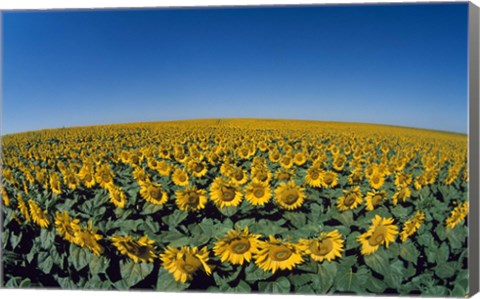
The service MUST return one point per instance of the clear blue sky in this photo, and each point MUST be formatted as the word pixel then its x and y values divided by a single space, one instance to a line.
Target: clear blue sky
pixel 390 64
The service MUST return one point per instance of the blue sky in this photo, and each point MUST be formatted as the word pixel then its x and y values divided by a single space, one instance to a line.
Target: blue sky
pixel 389 64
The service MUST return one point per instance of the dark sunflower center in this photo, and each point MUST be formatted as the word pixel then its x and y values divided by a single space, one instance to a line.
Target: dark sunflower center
pixel 182 177
pixel 314 175
pixel 239 176
pixel 192 199
pixel 228 194
pixel 240 246
pixel 377 199
pixel 377 237
pixel 350 200
pixel 262 176
pixel 258 192
pixel 280 253
pixel 154 192
pixel 290 197
pixel 328 179
pixel 105 177
pixel 198 168
pixel 321 248
pixel 283 176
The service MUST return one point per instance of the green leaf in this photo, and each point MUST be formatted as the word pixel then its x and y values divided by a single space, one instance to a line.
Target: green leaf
pixel 174 219
pixel 229 211
pixel 436 291
pixel 409 252
pixel 346 218
pixel 375 285
pixel 167 283
pixel 297 219
pixel 394 277
pixel 281 285
pixel 327 271
pixel 253 273
pixel 445 269
pixel 79 257
pixel 98 264
pixel 242 287
pixel 378 261
pixel 132 273
pixel 352 241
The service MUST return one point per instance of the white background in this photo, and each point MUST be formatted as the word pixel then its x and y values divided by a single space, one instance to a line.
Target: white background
pixel 44 4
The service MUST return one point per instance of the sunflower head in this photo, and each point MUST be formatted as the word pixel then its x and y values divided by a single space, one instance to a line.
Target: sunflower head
pixel 184 262
pixel 276 255
pixel 258 193
pixel 237 246
pixel 330 179
pixel 180 177
pixel 153 193
pixel 314 176
pixel 66 226
pixel 381 232
pixel 191 199
pixel 140 251
pixel 327 246
pixel 88 237
pixel 457 215
pixel 289 195
pixel 225 194
pixel 350 199
pixel 374 199
pixel 38 215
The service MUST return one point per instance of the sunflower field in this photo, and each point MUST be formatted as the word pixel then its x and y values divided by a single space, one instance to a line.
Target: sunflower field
pixel 237 205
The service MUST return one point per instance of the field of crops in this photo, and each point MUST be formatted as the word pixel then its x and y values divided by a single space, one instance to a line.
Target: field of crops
pixel 237 206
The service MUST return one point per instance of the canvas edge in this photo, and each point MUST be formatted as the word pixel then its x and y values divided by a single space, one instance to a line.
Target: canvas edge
pixel 473 156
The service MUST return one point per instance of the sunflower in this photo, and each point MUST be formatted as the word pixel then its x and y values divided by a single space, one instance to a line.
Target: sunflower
pixel 327 246
pixel 88 237
pixel 284 174
pixel 374 198
pixel 117 196
pixel 299 159
pixel 197 168
pixel 38 216
pixel 237 246
pixel 330 179
pixel 239 176
pixel 163 168
pixel 140 175
pixel 23 207
pixel 339 162
pixel 153 193
pixel 55 184
pixel 276 255
pixel 289 195
pixel 66 226
pixel 184 262
pixel 314 177
pixel 225 194
pixel 258 193
pixel 350 199
pixel 104 176
pixel 376 180
pixel 180 177
pixel 274 156
pixel 140 251
pixel 87 176
pixel 356 176
pixel 191 199
pixel 457 215
pixel 402 179
pixel 412 225
pixel 382 231
pixel 286 161
pixel 261 175
pixel 5 197
pixel 70 180
pixel 403 194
